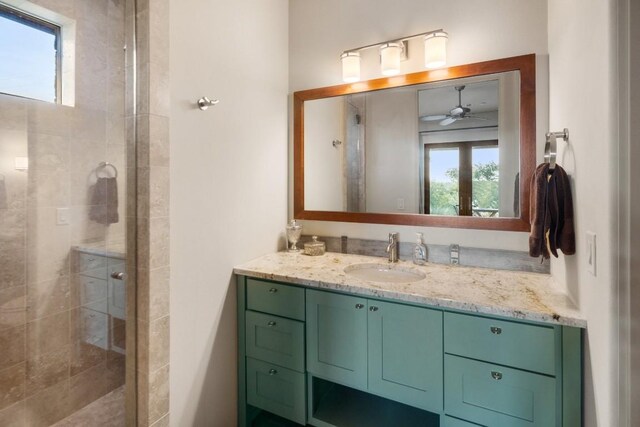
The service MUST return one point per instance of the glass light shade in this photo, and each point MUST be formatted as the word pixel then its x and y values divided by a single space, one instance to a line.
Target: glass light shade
pixel 390 58
pixel 435 50
pixel 350 67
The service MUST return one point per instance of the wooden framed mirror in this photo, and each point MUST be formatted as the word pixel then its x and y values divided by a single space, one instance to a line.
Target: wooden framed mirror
pixel 452 147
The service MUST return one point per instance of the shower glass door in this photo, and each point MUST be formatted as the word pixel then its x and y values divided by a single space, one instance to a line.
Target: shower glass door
pixel 67 141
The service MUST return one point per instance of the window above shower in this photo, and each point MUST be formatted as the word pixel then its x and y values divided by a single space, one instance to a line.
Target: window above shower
pixel 37 49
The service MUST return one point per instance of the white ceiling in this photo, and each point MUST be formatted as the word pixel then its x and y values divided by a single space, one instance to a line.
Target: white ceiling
pixel 480 97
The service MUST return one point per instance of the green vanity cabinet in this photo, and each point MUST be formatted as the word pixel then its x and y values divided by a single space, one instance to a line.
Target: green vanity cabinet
pixel 329 359
pixel 510 373
pixel 271 346
pixel 388 349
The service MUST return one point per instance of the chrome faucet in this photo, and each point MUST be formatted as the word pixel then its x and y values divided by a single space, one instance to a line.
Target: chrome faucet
pixel 392 248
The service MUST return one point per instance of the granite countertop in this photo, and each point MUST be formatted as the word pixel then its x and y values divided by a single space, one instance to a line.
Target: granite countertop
pixel 518 295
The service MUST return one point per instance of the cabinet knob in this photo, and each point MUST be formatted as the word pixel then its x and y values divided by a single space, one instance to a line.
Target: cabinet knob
pixel 271 323
pixel 273 290
pixel 359 306
pixel 118 275
pixel 496 330
pixel 496 375
pixel 272 372
pixel 373 308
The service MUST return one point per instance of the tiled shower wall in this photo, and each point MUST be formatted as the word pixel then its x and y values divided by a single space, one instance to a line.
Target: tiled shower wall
pixel 47 368
pixel 153 212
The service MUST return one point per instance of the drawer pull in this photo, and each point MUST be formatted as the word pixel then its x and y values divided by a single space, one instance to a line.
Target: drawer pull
pixel 496 375
pixel 273 290
pixel 496 330
pixel 271 323
pixel 373 308
pixel 272 372
pixel 359 306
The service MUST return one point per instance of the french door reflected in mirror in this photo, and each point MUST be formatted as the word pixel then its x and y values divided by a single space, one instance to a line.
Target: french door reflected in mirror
pixel 461 178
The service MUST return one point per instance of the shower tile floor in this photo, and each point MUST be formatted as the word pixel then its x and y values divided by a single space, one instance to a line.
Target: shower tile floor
pixel 108 411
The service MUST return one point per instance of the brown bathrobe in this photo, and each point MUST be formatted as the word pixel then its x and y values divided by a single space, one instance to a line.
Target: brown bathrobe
pixel 551 213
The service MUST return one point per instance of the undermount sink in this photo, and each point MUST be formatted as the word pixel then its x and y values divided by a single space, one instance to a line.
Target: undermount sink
pixel 389 273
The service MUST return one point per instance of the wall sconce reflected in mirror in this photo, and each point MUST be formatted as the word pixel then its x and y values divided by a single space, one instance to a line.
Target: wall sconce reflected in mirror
pixel 394 51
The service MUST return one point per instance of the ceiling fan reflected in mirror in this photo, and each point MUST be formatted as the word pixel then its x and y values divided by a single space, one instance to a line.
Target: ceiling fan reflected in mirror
pixel 457 113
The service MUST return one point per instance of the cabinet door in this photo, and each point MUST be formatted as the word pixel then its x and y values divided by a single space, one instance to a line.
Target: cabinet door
pixel 405 354
pixel 337 338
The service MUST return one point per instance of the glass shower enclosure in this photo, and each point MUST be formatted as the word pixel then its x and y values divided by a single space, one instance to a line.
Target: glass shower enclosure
pixel 67 142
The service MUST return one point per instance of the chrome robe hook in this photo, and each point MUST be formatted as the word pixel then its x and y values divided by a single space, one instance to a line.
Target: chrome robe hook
pixel 204 103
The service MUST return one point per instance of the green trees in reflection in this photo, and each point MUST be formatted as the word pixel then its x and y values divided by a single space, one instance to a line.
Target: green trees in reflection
pixel 444 195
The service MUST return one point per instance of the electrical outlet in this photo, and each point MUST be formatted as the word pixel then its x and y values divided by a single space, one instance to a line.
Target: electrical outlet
pixel 62 216
pixel 454 254
pixel 591 252
pixel 400 204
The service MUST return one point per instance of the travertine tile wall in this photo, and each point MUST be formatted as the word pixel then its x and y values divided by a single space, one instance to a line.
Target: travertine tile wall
pixel 47 369
pixel 153 212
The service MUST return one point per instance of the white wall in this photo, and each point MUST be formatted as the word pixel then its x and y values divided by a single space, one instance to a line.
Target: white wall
pixel 228 185
pixel 582 58
pixel 392 151
pixel 321 30
pixel 634 213
pixel 509 146
pixel 323 163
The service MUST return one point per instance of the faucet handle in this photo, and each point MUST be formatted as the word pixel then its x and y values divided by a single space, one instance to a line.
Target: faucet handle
pixel 393 237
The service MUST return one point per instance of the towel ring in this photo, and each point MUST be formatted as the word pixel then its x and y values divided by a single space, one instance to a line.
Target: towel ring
pixel 104 165
pixel 551 146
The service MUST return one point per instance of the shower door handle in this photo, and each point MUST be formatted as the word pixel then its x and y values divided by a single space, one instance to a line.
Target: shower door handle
pixel 118 275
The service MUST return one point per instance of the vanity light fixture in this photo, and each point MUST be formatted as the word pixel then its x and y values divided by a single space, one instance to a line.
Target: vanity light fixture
pixel 393 51
pixel 390 58
pixel 350 66
pixel 435 49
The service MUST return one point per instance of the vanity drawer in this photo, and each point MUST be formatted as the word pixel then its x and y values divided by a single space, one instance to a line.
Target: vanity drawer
pixel 90 262
pixel 275 339
pixel 497 396
pixel 513 344
pixel 277 390
pixel 275 298
pixel 91 292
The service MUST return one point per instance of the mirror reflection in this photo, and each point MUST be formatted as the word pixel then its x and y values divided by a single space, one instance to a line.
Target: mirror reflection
pixel 447 148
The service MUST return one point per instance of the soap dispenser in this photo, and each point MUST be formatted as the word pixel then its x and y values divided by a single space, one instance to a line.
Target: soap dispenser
pixel 420 251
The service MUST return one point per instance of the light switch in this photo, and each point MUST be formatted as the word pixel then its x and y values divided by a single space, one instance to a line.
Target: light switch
pixel 22 163
pixel 62 216
pixel 400 204
pixel 591 252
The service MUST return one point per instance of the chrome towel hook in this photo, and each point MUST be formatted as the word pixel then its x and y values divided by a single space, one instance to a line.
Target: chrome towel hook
pixel 104 165
pixel 551 146
pixel 204 103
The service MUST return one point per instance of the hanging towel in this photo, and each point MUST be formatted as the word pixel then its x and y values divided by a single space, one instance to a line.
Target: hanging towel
pixel 551 213
pixel 104 201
